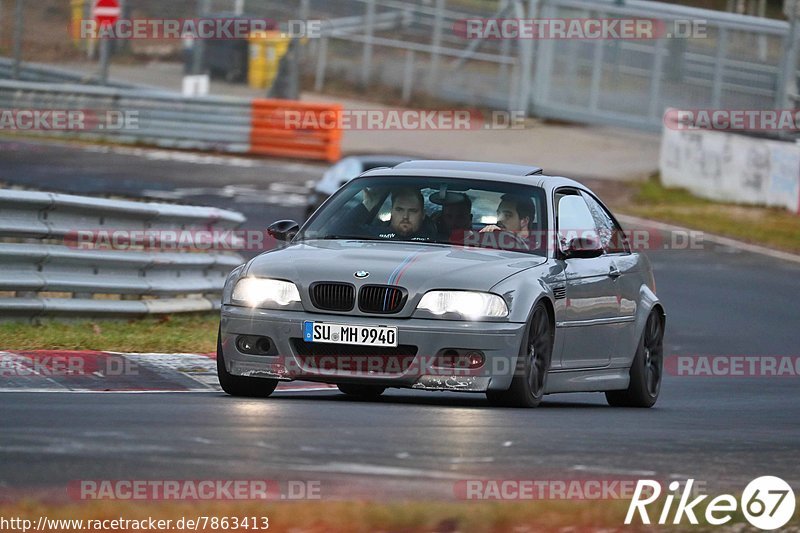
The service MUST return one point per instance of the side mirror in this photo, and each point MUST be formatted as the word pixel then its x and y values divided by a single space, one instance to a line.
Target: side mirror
pixel 583 248
pixel 283 230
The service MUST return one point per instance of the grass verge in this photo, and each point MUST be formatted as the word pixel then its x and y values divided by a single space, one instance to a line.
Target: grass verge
pixel 771 227
pixel 365 516
pixel 193 333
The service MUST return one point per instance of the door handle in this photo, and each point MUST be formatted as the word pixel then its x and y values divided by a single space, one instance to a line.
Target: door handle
pixel 614 272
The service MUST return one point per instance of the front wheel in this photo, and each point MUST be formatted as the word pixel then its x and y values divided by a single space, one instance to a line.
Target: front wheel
pixel 646 370
pixel 530 378
pixel 239 385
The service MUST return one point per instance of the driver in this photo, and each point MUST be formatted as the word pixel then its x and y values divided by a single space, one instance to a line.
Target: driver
pixel 407 220
pixel 408 212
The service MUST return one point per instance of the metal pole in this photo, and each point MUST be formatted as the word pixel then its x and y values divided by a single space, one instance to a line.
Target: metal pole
pixel 526 53
pixel 18 31
pixel 719 67
pixel 203 7
pixel 433 77
pixel 408 76
pixel 322 60
pixel 787 85
pixel 305 9
pixel 105 54
pixel 366 62
pixel 238 7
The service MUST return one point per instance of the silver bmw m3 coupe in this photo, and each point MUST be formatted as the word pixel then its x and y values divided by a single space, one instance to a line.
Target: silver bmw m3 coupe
pixel 449 276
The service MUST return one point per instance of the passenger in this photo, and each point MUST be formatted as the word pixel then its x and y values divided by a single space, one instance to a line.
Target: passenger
pixel 515 215
pixel 455 219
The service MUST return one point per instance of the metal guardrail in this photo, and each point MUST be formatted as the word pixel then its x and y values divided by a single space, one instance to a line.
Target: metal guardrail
pixel 162 118
pixel 48 271
pixel 169 120
pixel 40 73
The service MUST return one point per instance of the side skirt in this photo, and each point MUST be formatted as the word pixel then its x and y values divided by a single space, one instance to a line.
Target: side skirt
pixel 593 380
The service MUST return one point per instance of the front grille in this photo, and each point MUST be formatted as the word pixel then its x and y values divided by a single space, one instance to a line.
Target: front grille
pixel 382 299
pixel 353 358
pixel 333 296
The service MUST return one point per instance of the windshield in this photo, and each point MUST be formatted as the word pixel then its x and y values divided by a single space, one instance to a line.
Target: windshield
pixel 448 211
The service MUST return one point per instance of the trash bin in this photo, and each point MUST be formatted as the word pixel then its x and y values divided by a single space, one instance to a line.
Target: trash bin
pixel 266 51
pixel 77 16
pixel 225 59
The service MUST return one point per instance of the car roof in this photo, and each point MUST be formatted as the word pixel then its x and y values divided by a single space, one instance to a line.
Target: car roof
pixel 383 159
pixel 472 166
pixel 507 173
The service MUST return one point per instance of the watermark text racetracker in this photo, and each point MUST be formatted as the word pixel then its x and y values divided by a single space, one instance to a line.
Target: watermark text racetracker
pixel 68 120
pixel 123 239
pixel 404 120
pixel 733 366
pixel 760 120
pixel 545 489
pixel 66 365
pixel 579 28
pixel 219 28
pixel 194 490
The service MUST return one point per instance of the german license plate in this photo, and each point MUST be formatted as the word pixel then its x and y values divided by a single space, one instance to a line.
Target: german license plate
pixel 348 334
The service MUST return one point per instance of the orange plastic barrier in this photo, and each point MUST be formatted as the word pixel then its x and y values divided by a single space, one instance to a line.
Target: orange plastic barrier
pixel 300 130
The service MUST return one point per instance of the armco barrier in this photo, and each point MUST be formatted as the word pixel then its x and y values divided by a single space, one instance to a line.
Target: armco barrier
pixel 272 133
pixel 165 119
pixel 37 72
pixel 45 275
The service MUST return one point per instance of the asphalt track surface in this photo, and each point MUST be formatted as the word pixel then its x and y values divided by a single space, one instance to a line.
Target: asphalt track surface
pixel 723 431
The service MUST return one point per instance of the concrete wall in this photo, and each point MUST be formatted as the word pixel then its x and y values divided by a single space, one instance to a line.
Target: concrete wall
pixel 732 168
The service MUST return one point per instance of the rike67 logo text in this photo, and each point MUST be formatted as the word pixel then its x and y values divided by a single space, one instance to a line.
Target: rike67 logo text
pixel 767 502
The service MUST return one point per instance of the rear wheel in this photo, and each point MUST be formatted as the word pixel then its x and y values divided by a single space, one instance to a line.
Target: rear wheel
pixel 646 370
pixel 239 385
pixel 365 392
pixel 530 378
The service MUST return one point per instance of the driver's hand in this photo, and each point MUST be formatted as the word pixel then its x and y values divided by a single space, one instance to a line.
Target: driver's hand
pixel 371 198
pixel 491 229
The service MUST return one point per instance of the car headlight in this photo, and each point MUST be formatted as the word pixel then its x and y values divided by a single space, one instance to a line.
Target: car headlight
pixel 262 292
pixel 470 305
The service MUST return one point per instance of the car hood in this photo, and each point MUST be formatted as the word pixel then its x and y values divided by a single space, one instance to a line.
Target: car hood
pixel 416 267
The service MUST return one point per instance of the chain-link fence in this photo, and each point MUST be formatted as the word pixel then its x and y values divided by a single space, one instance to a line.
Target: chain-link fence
pixel 724 61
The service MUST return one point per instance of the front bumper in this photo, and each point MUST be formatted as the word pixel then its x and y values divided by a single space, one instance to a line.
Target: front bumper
pixel 499 342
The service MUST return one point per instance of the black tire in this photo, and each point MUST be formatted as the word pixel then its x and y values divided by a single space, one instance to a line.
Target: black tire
pixel 530 378
pixel 242 386
pixel 365 392
pixel 647 368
